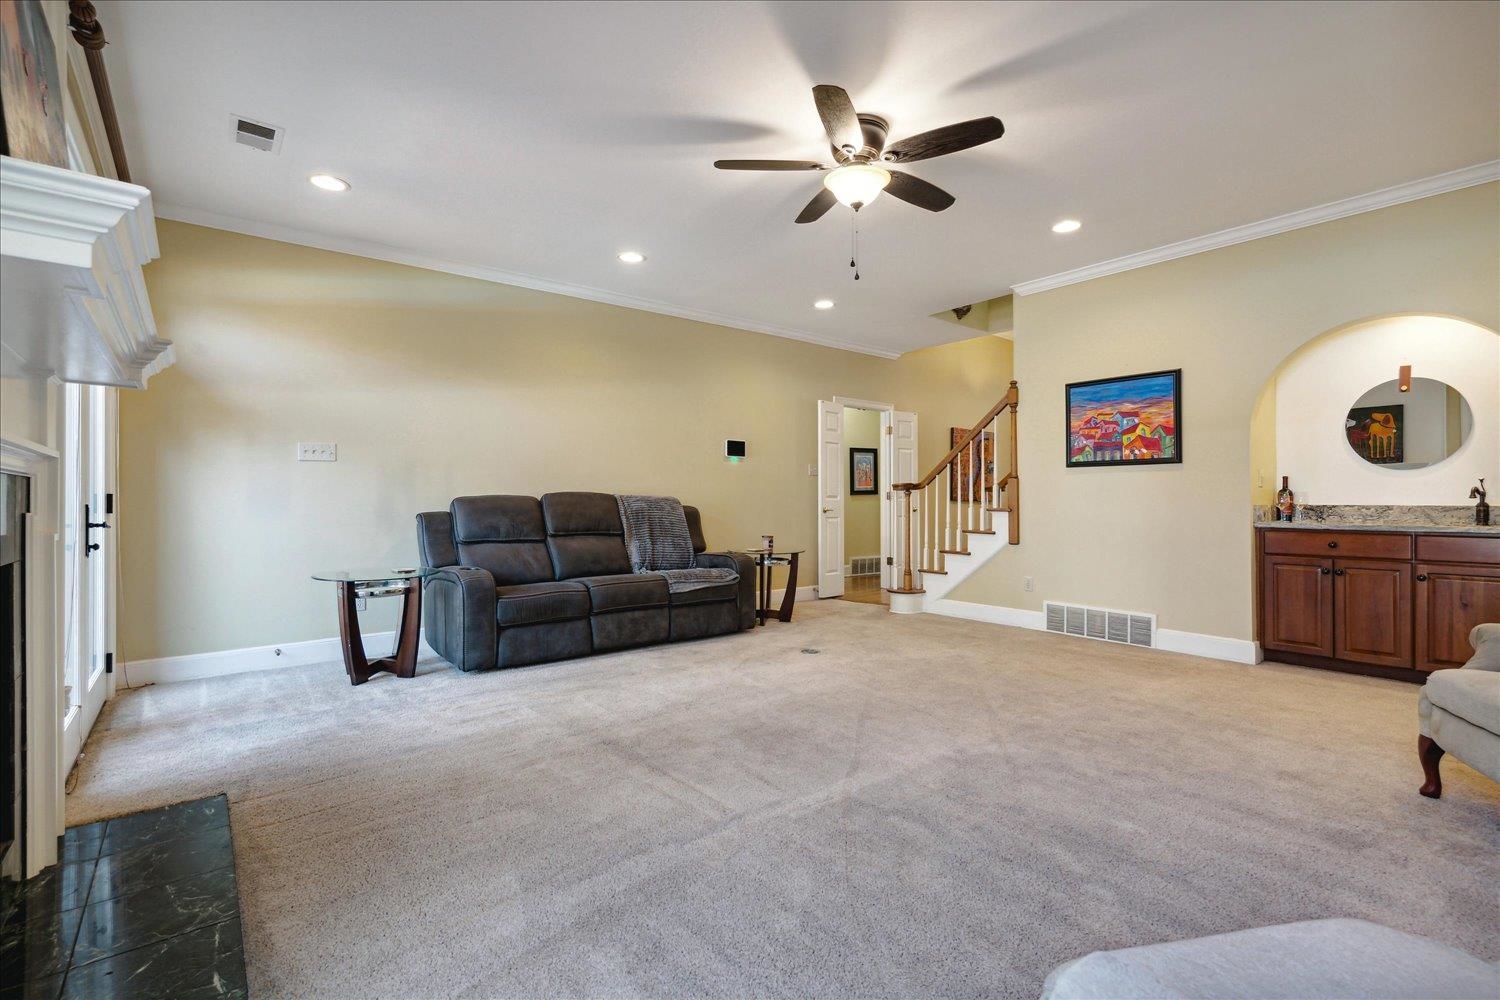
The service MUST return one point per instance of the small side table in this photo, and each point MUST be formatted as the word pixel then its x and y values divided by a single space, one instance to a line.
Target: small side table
pixel 356 584
pixel 765 561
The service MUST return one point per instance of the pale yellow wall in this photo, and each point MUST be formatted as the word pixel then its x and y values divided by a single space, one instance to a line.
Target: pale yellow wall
pixel 1176 539
pixel 435 386
pixel 861 513
pixel 1265 479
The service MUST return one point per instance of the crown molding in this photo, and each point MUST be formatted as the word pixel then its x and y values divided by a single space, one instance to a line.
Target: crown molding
pixel 1454 180
pixel 395 255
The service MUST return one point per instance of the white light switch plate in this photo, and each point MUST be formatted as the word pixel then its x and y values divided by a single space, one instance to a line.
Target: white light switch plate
pixel 317 451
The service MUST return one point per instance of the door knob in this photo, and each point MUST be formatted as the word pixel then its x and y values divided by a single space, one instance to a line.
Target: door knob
pixel 1325 571
pixel 1421 577
pixel 1338 572
pixel 828 510
pixel 1333 545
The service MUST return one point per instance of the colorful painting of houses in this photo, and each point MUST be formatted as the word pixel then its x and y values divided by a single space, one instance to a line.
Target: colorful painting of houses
pixel 1132 419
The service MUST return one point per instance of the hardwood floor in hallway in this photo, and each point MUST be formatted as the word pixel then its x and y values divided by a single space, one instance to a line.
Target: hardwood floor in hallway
pixel 865 590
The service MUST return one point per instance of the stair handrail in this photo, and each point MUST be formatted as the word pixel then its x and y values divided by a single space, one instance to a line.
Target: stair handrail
pixel 1010 484
pixel 1009 400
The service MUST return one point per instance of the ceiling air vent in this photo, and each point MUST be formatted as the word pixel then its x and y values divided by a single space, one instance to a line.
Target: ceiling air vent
pixel 1128 627
pixel 257 135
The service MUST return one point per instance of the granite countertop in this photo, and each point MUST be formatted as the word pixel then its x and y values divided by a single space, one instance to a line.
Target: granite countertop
pixel 1402 519
pixel 1407 529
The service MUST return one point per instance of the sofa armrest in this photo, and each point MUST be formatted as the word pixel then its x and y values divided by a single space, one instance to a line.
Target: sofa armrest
pixel 1486 642
pixel 459 612
pixel 743 565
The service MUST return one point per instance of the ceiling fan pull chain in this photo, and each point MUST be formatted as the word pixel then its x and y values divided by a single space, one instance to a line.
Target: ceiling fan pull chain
pixel 854 242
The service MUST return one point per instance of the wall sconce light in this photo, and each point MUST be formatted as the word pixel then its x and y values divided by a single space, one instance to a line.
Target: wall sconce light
pixel 1404 383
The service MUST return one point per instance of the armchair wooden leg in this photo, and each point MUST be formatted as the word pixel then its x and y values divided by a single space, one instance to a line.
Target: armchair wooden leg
pixel 1430 753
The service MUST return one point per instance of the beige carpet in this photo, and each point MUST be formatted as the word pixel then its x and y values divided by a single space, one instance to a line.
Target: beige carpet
pixel 855 804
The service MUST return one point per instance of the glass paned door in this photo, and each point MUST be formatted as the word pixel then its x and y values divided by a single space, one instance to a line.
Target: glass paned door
pixel 89 546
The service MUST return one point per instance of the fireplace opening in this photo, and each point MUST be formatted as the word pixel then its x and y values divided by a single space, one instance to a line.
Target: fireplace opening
pixel 15 501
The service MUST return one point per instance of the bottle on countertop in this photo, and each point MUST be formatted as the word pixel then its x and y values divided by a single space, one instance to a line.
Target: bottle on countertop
pixel 1286 501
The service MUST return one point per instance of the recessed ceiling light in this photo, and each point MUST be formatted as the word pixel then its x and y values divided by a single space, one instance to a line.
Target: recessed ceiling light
pixel 630 256
pixel 1067 226
pixel 328 182
pixel 823 304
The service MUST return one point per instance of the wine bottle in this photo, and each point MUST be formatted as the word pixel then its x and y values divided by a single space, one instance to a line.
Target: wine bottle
pixel 1286 502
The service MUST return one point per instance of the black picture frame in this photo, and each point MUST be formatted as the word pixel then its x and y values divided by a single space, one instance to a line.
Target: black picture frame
pixel 874 456
pixel 1070 458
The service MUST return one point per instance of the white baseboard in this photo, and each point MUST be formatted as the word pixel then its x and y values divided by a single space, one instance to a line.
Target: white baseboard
pixel 1213 647
pixel 198 666
pixel 992 613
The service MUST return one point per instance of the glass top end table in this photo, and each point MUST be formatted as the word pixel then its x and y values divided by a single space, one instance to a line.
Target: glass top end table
pixel 765 561
pixel 356 584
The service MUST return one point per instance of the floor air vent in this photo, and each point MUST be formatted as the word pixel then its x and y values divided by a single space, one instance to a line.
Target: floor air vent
pixel 1128 627
pixel 257 135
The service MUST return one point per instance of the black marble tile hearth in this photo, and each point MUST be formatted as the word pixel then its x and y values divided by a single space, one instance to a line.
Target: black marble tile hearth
pixel 142 906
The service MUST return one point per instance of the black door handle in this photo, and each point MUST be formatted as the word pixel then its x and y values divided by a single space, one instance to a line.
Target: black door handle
pixel 1333 545
pixel 1421 577
pixel 1324 571
pixel 1338 572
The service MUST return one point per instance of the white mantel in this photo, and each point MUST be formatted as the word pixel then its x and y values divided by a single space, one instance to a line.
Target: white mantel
pixel 73 302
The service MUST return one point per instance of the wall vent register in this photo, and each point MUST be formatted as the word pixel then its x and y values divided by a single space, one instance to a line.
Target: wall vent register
pixel 1130 628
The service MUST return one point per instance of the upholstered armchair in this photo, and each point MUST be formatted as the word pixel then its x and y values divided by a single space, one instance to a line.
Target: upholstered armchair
pixel 1460 712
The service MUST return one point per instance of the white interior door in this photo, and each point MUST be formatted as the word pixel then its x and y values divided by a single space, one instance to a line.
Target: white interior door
pixel 89 545
pixel 902 459
pixel 830 499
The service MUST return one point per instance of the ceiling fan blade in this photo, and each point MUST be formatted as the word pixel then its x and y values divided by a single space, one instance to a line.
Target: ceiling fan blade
pixel 949 139
pixel 839 118
pixel 918 192
pixel 821 203
pixel 769 165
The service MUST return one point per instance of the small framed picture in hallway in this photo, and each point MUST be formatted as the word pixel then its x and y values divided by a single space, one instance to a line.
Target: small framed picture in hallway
pixel 864 471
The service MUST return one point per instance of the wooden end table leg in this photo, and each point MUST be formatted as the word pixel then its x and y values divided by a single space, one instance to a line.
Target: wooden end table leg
pixel 355 663
pixel 789 598
pixel 404 663
pixel 762 590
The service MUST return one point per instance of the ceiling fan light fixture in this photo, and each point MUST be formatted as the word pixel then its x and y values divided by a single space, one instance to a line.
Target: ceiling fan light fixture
pixel 857 183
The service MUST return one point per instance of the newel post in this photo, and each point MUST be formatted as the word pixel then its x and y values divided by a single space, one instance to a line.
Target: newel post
pixel 907 583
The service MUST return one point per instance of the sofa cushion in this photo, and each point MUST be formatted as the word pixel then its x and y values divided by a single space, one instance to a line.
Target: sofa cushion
pixel 625 591
pixel 1472 695
pixel 502 534
pixel 534 603
pixel 705 595
pixel 695 528
pixel 584 535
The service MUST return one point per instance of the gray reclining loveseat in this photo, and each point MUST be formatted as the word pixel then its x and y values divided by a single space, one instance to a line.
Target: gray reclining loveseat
pixel 525 581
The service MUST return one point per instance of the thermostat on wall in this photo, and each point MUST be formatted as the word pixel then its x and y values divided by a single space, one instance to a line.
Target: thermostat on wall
pixel 734 451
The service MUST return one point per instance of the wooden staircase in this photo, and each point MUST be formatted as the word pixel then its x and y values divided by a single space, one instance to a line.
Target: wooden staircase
pixel 961 513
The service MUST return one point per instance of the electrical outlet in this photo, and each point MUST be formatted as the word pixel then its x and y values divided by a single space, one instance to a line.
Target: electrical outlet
pixel 359 604
pixel 1026 583
pixel 812 471
pixel 317 451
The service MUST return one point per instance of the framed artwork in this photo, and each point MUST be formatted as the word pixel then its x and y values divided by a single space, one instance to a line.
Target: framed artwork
pixel 864 472
pixel 1127 420
pixel 974 472
pixel 1378 433
pixel 31 93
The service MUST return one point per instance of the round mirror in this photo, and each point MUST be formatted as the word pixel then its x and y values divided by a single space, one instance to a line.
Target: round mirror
pixel 1408 430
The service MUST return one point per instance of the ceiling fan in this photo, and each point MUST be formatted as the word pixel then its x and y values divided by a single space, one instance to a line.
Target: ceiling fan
pixel 863 158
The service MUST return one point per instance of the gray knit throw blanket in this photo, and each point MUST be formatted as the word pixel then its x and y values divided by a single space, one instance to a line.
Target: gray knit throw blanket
pixel 658 541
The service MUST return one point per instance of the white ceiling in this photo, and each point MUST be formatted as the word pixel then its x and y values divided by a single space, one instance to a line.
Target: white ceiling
pixel 539 139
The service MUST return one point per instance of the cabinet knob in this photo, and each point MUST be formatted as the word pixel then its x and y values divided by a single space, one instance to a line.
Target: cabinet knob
pixel 1421 577
pixel 1338 572
pixel 1325 571
pixel 1333 545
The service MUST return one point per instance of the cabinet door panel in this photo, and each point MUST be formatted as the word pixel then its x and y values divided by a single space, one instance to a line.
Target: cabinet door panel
pixel 1297 604
pixel 1372 611
pixel 1451 600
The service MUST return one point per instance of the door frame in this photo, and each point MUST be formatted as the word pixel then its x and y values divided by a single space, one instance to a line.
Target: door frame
pixel 887 464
